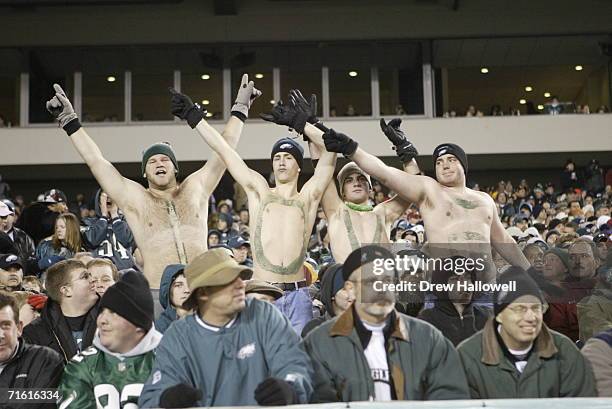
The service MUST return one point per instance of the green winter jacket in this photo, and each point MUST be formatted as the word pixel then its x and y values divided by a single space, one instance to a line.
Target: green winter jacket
pixel 555 369
pixel 423 364
pixel 98 378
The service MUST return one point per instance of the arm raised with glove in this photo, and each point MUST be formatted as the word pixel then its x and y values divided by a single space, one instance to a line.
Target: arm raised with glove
pixel 207 178
pixel 411 187
pixel 126 192
pixel 184 108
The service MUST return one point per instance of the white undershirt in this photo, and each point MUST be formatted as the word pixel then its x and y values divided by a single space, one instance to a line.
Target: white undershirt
pixel 520 364
pixel 212 327
pixel 376 355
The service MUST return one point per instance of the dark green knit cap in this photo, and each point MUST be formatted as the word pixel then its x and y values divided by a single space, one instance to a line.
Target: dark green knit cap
pixel 162 148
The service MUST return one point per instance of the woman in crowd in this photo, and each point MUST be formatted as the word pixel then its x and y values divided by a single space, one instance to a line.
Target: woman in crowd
pixel 65 242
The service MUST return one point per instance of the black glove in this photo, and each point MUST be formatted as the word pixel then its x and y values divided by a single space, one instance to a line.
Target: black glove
pixel 275 392
pixel 180 396
pixel 184 108
pixel 403 147
pixel 307 110
pixel 281 114
pixel 339 142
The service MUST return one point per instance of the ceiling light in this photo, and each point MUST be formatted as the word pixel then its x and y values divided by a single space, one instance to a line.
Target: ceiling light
pixel 578 68
pixel 540 107
pixel 259 76
pixel 484 70
pixel 528 88
pixel 272 102
pixel 110 78
pixel 352 73
pixel 209 114
pixel 522 102
pixel 205 77
pixel 205 102
pixel 547 94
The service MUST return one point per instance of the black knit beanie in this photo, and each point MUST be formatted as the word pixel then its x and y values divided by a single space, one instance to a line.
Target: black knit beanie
pixel 525 285
pixel 452 149
pixel 290 146
pixel 131 298
pixel 162 148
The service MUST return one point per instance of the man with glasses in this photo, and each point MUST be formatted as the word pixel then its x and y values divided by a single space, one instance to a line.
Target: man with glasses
pixel 68 321
pixel 372 352
pixel 517 356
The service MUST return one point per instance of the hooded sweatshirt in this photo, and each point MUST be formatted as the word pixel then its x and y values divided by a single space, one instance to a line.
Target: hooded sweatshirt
pixel 169 315
pixel 108 238
pixel 327 295
pixel 98 377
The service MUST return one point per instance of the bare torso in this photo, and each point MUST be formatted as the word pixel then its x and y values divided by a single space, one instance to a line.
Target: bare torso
pixel 168 231
pixel 458 222
pixel 350 229
pixel 280 229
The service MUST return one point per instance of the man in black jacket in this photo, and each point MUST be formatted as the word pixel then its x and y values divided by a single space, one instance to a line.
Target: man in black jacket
pixel 23 365
pixel 454 313
pixel 23 243
pixel 68 321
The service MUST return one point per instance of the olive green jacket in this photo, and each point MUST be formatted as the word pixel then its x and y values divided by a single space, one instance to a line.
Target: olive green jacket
pixel 423 364
pixel 554 369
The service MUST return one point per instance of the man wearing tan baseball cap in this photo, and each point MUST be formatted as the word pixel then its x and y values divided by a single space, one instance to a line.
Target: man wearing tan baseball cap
pixel 233 351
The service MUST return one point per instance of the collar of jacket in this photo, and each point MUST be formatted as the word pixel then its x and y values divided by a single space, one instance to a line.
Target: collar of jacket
pixel 345 323
pixel 17 353
pixel 491 350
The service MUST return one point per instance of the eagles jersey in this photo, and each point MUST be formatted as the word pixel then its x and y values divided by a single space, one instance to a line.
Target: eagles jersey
pixel 94 379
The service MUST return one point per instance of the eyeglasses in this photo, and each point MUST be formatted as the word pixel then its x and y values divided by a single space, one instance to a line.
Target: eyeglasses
pixel 85 275
pixel 103 280
pixel 537 309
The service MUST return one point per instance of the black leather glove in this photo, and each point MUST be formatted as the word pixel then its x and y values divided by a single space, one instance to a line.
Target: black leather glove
pixel 275 392
pixel 180 396
pixel 183 107
pixel 307 110
pixel 339 142
pixel 281 114
pixel 402 146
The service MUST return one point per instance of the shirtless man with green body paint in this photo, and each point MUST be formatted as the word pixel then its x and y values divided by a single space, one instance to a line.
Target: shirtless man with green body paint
pixel 458 220
pixel 282 217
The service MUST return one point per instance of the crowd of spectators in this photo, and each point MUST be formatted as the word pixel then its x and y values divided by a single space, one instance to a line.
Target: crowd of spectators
pixel 72 295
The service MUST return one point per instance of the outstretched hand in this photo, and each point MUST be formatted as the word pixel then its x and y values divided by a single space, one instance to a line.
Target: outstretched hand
pixel 183 107
pixel 339 143
pixel 403 147
pixel 247 93
pixel 60 107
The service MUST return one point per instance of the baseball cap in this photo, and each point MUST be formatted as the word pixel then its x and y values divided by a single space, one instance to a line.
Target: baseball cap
pixel 8 260
pixel 54 196
pixel 5 210
pixel 237 242
pixel 212 268
pixel 363 256
pixel 10 204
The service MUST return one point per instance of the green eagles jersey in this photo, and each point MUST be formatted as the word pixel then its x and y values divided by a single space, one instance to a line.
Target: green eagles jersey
pixel 97 380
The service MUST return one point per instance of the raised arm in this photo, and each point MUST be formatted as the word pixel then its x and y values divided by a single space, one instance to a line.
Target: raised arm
pixel 411 187
pixel 184 108
pixel 123 190
pixel 208 177
pixel 324 171
pixel 330 201
pixel 407 153
pixel 504 243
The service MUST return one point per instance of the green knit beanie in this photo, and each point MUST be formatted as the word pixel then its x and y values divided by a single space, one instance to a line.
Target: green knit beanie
pixel 162 148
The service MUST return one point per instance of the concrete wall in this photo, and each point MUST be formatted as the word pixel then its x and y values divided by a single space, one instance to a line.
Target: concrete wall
pixel 488 135
pixel 193 21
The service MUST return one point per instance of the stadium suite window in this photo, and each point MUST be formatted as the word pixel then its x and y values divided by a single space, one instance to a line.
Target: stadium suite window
pixel 205 87
pixel 150 96
pixel 9 101
pixel 103 97
pixel 350 92
pixel 300 68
